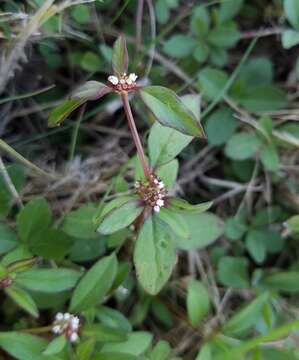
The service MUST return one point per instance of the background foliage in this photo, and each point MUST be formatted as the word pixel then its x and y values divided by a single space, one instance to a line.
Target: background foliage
pixel 234 291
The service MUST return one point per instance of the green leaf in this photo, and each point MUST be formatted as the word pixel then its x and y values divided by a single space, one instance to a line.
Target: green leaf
pixel 229 9
pixel 154 255
pixel 87 249
pixel 200 21
pixel 161 312
pixel 114 356
pixel 255 245
pixel 211 82
pixel 33 218
pixel 218 56
pixel 246 318
pixel 85 349
pixel 113 204
pixel 193 104
pixel 204 229
pixel 205 353
pixel 291 8
pixel 198 302
pixel 56 346
pixel 293 223
pixel 170 111
pixel 91 62
pixel 169 173
pixel 175 221
pixel 287 281
pixel 22 299
pixel 220 126
pixel 120 217
pixel 113 318
pixel 224 35
pixel 290 38
pixel 24 346
pixel 103 333
pixel 91 90
pixel 120 57
pixel 270 158
pixel 161 351
pixel 201 52
pixel 8 239
pixel 257 71
pixel 79 223
pixel 51 244
pixel 81 14
pixel 184 205
pixel 242 146
pixel 262 98
pixel 179 46
pixel 95 284
pixel 137 344
pixel 48 280
pixel 59 114
pixel 165 144
pixel 235 228
pixel 232 272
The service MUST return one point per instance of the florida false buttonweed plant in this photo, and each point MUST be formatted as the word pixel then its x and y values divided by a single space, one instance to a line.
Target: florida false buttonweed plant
pixel 155 215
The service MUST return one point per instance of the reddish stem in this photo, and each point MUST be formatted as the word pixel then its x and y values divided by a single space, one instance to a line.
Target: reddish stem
pixel 139 147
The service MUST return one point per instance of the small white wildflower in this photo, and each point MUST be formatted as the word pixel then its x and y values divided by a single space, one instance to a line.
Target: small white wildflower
pixel 122 81
pixel 129 81
pixel 160 202
pixel 133 77
pixel 56 329
pixel 137 184
pixel 161 185
pixel 59 316
pixel 74 337
pixel 66 316
pixel 156 181
pixel 113 79
pixel 156 208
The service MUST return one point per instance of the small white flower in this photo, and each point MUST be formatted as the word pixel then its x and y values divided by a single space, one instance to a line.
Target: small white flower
pixel 129 81
pixel 66 316
pixel 133 77
pixel 74 337
pixel 137 184
pixel 156 208
pixel 122 81
pixel 156 181
pixel 161 185
pixel 59 316
pixel 56 329
pixel 75 324
pixel 113 79
pixel 160 202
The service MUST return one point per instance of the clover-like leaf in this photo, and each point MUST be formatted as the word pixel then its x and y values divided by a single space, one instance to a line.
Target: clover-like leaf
pixel 170 111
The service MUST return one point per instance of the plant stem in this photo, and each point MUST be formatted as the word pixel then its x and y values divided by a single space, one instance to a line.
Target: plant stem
pixel 134 132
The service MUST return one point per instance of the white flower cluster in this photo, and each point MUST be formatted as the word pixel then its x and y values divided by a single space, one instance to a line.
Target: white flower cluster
pixel 68 325
pixel 124 79
pixel 152 192
pixel 160 201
